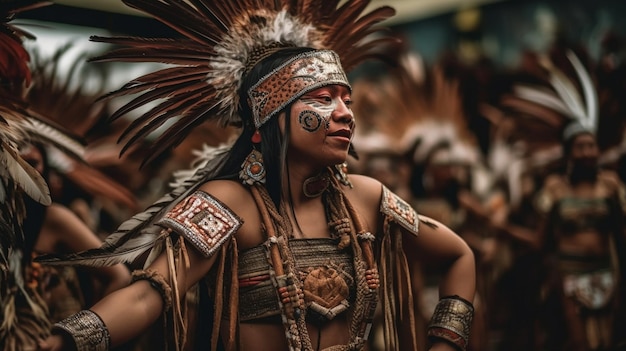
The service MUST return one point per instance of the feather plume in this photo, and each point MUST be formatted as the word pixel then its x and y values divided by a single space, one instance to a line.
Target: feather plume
pixel 14 70
pixel 583 109
pixel 217 39
pixel 48 132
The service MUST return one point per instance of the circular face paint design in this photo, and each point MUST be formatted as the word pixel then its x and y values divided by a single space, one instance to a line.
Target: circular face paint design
pixel 311 121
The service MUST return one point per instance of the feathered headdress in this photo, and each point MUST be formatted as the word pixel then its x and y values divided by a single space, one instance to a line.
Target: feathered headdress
pixel 423 109
pixel 551 99
pixel 221 41
pixel 576 100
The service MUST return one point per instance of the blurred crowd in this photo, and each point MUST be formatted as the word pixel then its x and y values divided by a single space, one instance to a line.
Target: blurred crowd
pixel 527 164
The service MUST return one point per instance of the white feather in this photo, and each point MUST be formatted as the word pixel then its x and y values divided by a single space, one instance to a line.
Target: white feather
pixel 203 156
pixel 49 134
pixel 544 98
pixel 568 93
pixel 591 99
pixel 233 51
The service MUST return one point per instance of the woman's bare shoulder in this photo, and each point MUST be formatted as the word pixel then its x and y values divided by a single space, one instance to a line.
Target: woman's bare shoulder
pixel 364 188
pixel 365 195
pixel 232 193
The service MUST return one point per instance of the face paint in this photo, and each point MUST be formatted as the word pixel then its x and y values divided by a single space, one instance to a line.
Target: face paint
pixel 320 109
pixel 310 121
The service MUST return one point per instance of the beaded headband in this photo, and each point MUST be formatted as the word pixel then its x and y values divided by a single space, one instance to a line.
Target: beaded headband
pixel 299 75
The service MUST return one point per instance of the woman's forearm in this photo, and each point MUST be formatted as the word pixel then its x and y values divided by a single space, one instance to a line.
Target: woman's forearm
pixel 129 311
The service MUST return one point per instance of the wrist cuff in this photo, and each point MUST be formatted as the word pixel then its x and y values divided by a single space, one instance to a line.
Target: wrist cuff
pixel 86 329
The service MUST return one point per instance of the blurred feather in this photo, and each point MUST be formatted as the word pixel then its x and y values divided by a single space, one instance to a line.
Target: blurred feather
pixel 589 91
pixel 24 176
pixel 63 116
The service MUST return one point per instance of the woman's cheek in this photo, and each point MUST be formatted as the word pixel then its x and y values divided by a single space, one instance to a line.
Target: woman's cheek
pixel 312 121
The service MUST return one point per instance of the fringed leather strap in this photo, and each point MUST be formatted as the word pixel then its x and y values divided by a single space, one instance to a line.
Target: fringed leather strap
pixel 397 289
pixel 365 266
pixel 286 282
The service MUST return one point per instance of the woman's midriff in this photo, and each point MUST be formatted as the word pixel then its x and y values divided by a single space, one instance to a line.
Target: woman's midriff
pixel 584 243
pixel 266 336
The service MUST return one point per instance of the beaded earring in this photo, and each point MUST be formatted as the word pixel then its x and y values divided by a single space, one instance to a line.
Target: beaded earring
pixel 252 170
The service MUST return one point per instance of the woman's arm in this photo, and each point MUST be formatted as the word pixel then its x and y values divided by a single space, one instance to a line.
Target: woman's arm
pixel 129 311
pixel 124 314
pixel 68 233
pixel 438 246
pixel 432 244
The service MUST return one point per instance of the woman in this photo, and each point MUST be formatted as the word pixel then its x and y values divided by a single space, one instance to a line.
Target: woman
pixel 294 253
pixel 583 211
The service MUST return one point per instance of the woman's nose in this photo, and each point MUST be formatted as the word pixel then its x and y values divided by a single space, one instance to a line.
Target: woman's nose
pixel 343 113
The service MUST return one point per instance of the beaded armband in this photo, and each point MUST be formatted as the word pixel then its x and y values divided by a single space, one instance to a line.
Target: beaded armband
pixel 203 220
pixel 399 211
pixel 86 329
pixel 452 321
pixel 157 281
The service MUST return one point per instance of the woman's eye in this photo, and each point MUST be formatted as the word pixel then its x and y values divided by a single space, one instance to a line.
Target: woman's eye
pixel 348 102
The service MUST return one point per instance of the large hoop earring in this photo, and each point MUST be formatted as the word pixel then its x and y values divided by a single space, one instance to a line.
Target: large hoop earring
pixel 252 170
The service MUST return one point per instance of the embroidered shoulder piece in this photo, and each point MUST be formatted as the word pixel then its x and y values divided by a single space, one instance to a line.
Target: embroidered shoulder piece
pixel 203 220
pixel 399 211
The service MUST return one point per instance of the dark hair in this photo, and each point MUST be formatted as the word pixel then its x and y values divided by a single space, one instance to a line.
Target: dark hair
pixel 273 145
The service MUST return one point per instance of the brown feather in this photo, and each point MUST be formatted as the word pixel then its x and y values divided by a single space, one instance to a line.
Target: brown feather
pixel 343 18
pixel 172 109
pixel 100 185
pixel 363 26
pixel 181 17
pixel 180 101
pixel 24 175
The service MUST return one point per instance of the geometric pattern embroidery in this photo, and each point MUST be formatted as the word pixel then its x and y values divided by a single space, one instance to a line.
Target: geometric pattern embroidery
pixel 399 211
pixel 301 74
pixel 203 220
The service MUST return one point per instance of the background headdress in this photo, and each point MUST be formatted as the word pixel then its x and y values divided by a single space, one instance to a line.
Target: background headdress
pixel 23 318
pixel 63 115
pixel 551 97
pixel 421 109
pixel 221 41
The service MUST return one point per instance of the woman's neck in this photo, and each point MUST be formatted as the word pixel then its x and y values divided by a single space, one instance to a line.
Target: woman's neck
pixel 306 186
